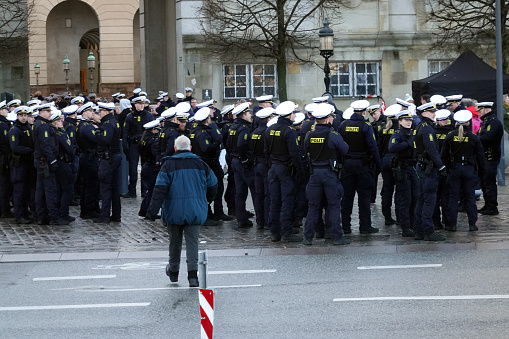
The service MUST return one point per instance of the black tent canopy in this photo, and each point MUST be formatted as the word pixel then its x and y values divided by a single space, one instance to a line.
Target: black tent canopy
pixel 467 75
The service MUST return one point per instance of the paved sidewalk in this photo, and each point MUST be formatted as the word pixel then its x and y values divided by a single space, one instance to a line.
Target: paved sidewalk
pixel 83 239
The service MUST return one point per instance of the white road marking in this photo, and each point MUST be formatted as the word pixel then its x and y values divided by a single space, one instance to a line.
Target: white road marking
pixel 240 272
pixel 65 307
pixel 120 289
pixel 432 297
pixel 397 266
pixel 78 277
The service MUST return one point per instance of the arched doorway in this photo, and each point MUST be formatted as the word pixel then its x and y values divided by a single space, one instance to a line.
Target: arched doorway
pixel 70 26
pixel 89 43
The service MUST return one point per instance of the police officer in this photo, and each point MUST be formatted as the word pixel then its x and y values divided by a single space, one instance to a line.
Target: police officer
pixel 5 182
pixel 362 152
pixel 442 128
pixel 224 125
pixel 378 123
pixel 429 167
pixel 300 207
pixel 64 174
pixel 264 101
pixel 149 151
pixel 401 145
pixel 22 165
pixel 169 132
pixel 261 168
pixel 490 132
pixel 133 130
pixel 464 152
pixel 286 169
pixel 108 135
pixel 454 102
pixel 87 140
pixel 325 148
pixel 237 144
pixel 206 141
pixel 45 161
pixel 70 126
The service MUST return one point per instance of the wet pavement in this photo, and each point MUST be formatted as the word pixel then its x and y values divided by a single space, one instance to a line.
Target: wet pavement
pixel 133 235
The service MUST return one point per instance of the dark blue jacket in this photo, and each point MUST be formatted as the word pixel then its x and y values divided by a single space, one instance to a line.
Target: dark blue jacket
pixel 183 186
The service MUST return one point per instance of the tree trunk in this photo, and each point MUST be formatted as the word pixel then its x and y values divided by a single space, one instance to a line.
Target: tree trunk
pixel 281 51
pixel 281 78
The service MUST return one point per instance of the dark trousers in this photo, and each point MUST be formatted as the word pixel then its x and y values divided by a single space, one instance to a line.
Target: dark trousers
pixel 489 183
pixel 176 232
pixel 356 178
pixel 440 213
pixel 262 200
pixel 388 185
pixel 5 192
pixel 149 176
pixel 23 180
pixel 323 183
pixel 65 184
pixel 300 208
pixel 244 180
pixel 407 194
pixel 282 188
pixel 89 167
pixel 134 159
pixel 46 197
pixel 426 201
pixel 109 179
pixel 374 189
pixel 215 166
pixel 462 178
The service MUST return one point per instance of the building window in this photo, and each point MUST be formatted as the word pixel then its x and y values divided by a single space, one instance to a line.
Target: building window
pixel 355 79
pixel 437 66
pixel 248 81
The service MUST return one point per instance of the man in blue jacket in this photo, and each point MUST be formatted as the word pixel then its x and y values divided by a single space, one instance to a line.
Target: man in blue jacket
pixel 184 187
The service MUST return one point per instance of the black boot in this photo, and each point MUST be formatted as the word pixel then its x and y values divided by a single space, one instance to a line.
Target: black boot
pixel 192 277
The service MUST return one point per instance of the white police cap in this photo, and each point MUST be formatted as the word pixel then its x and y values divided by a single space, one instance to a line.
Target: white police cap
pixel 373 108
pixel 21 110
pixel 159 98
pixel 320 99
pixel 188 89
pixel 359 105
pixel 120 96
pixel 265 112
pixel 202 114
pixel 45 107
pixel 429 106
pixel 191 119
pixel 77 100
pixel 442 114
pixel 241 108
pixel 310 108
pixel 71 109
pixel 56 115
pixel 11 116
pixel 137 90
pixel 323 111
pixel 207 103
pixel 34 114
pixel 408 97
pixel 299 118
pixel 139 100
pixel 34 102
pixel 86 107
pixel 106 105
pixel 286 108
pixel 484 104
pixel 169 113
pixel 347 114
pixel 227 109
pixel 404 114
pixel 454 98
pixel 3 104
pixel 264 98
pixel 182 115
pixel 15 102
pixel 180 96
pixel 163 94
pixel 438 99
pixel 402 102
pixel 115 95
pixel 183 106
pixel 272 121
pixel 160 118
pixel 151 124
pixel 463 116
pixel 392 110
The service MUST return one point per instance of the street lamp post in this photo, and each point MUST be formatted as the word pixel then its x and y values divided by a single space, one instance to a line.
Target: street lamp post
pixel 37 71
pixel 91 67
pixel 66 64
pixel 326 50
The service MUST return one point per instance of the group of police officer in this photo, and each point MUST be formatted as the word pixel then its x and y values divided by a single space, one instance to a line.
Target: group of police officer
pixel 294 165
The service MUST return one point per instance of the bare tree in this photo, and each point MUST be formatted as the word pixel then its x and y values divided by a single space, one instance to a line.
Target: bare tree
pixel 459 25
pixel 272 30
pixel 14 17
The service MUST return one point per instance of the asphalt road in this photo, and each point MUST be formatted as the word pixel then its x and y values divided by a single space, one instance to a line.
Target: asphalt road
pixel 461 294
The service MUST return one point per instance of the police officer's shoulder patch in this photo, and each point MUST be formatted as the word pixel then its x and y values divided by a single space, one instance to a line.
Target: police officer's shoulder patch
pixel 430 137
pixel 45 134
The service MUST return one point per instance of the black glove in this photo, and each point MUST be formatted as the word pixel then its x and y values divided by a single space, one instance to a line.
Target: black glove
pixel 53 167
pixel 442 172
